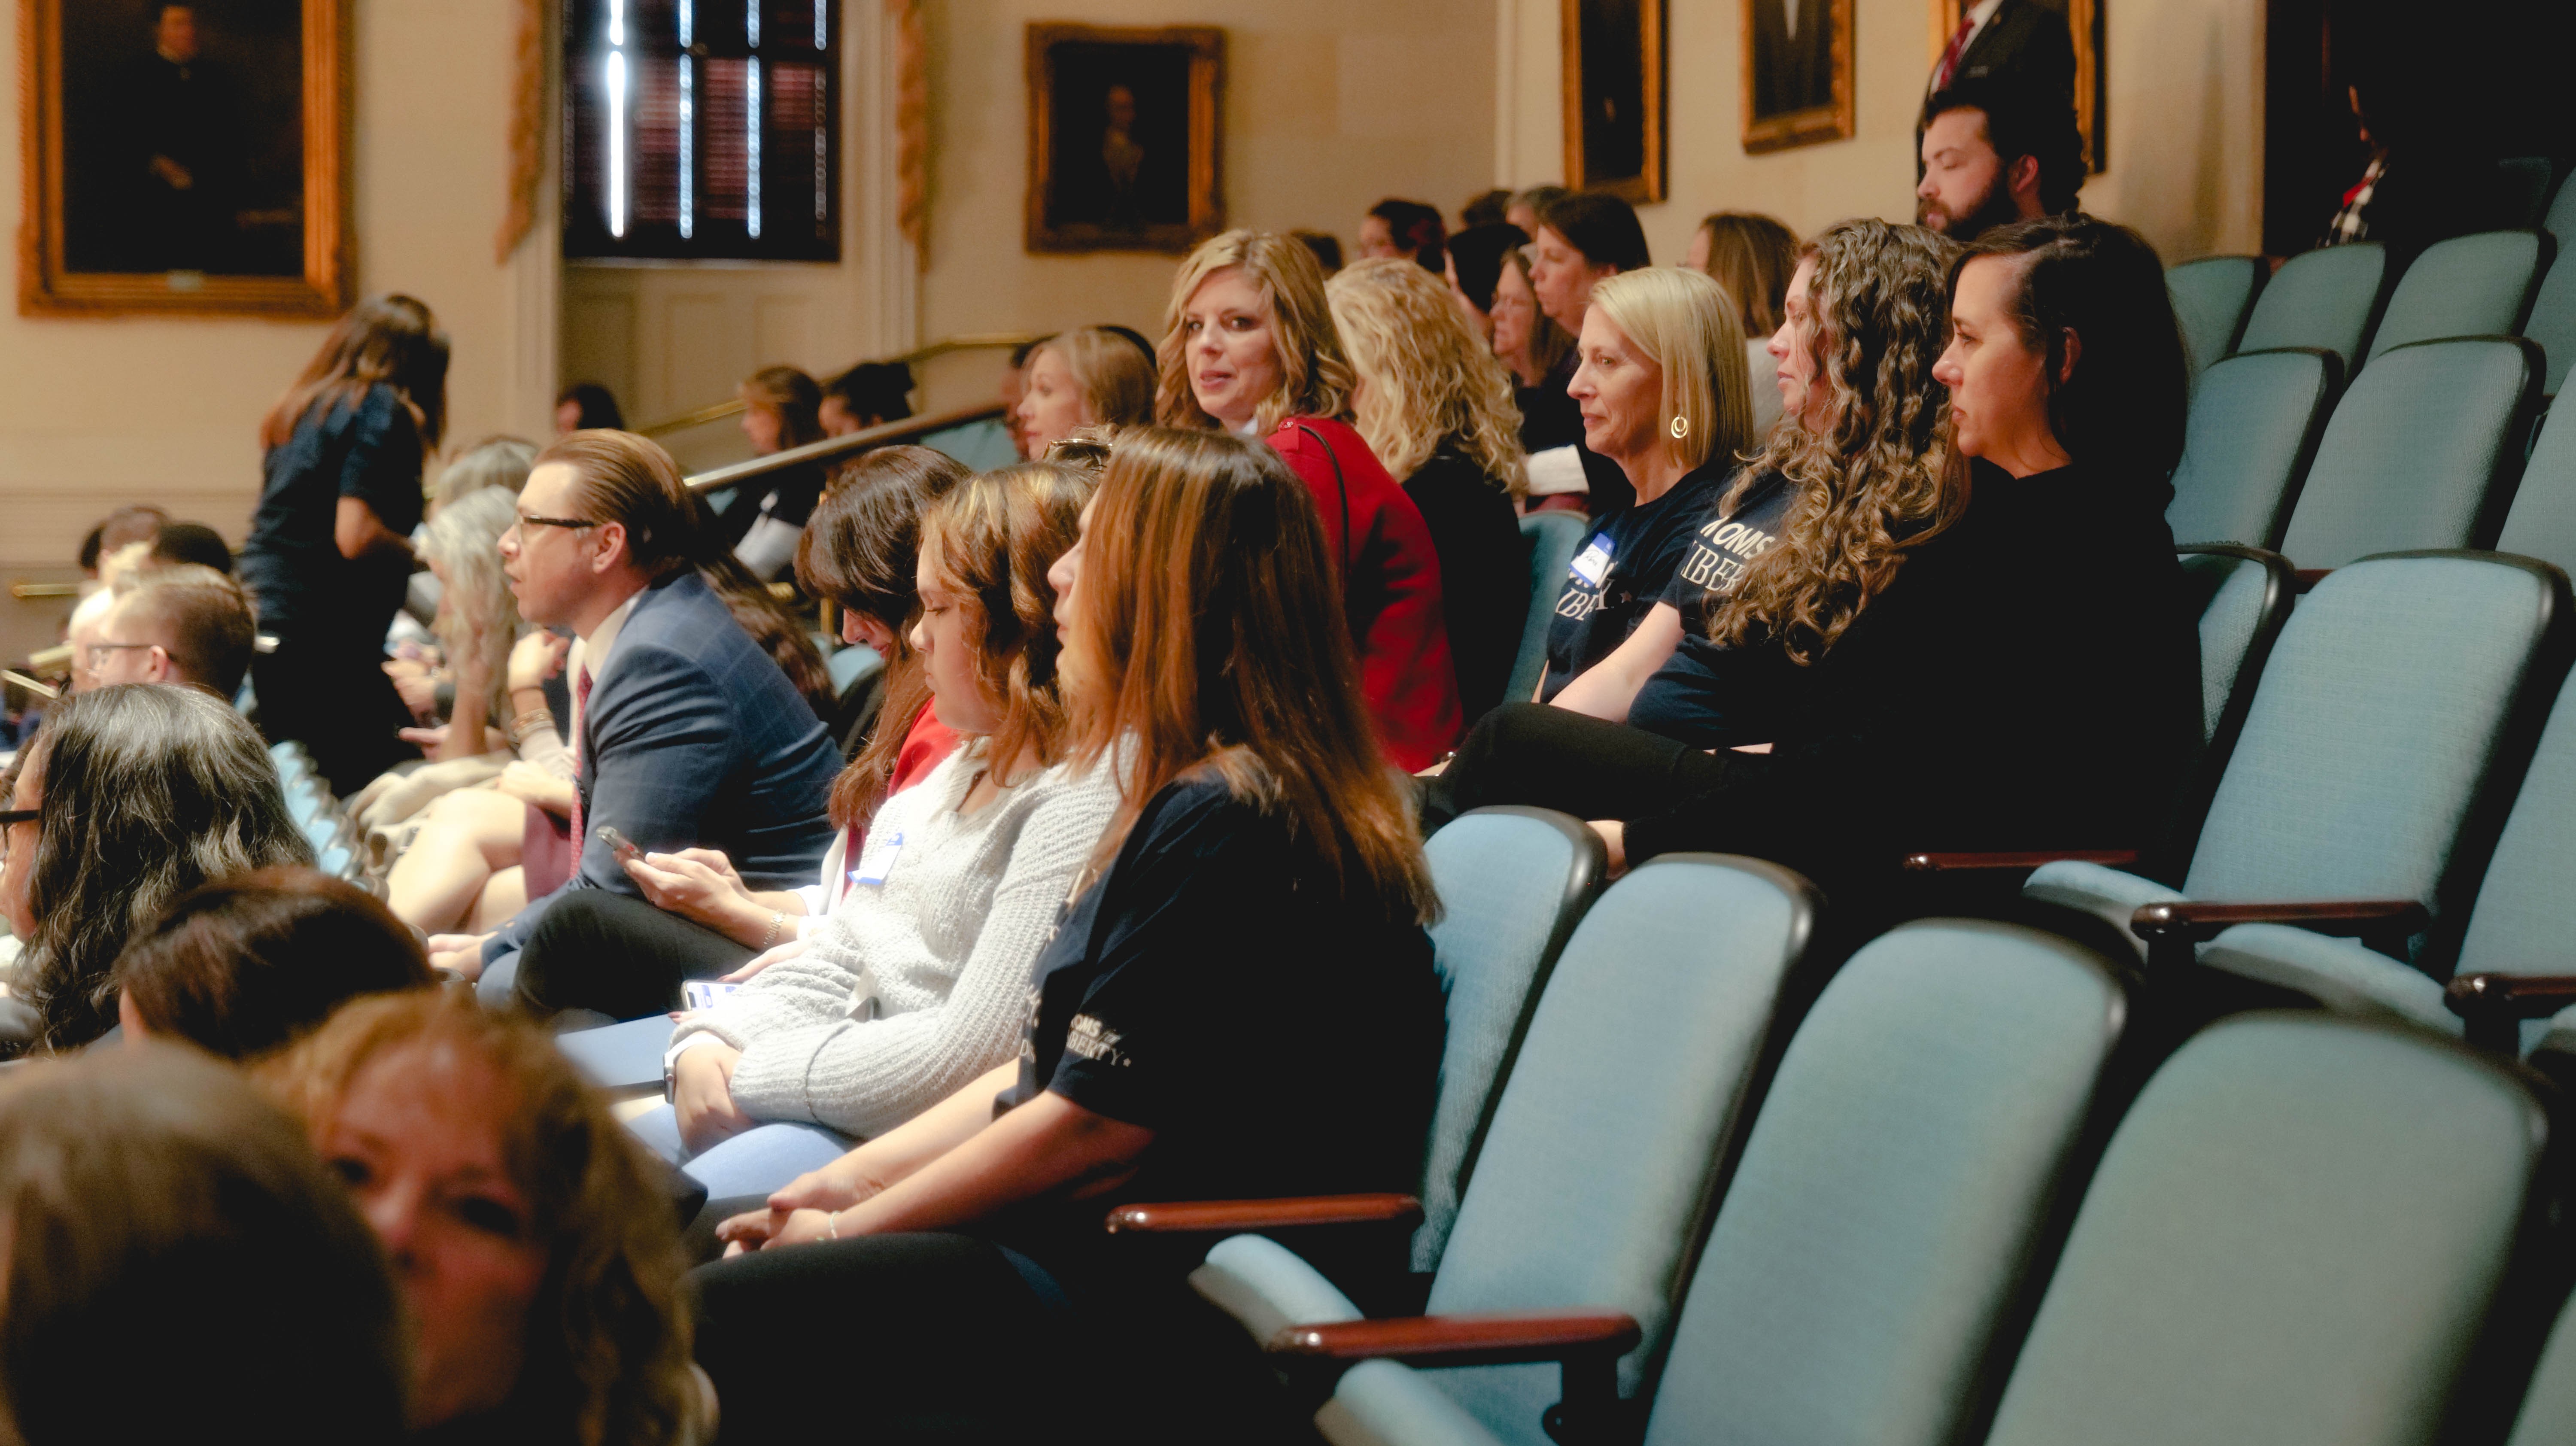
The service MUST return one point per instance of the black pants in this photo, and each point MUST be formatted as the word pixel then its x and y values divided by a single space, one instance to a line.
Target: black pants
pixel 1530 753
pixel 333 697
pixel 593 949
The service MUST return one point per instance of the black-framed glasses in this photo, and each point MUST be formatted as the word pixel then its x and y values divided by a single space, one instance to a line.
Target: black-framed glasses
pixel 11 818
pixel 569 524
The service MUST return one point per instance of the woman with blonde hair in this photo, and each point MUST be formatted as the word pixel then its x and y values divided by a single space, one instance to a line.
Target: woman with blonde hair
pixel 1752 256
pixel 1249 347
pixel 530 1237
pixel 1261 859
pixel 1436 406
pixel 1090 377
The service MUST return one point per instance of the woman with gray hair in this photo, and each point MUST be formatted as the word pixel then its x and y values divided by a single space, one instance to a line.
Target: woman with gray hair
pixel 132 795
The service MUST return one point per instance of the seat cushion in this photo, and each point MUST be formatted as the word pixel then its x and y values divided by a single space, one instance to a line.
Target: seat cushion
pixel 1268 1287
pixel 2342 974
pixel 2107 894
pixel 1381 1403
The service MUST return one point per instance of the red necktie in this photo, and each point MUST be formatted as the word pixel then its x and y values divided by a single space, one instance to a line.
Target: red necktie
pixel 581 725
pixel 1942 77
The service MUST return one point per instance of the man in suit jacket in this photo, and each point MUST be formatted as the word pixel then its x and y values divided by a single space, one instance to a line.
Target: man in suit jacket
pixel 687 733
pixel 2024 43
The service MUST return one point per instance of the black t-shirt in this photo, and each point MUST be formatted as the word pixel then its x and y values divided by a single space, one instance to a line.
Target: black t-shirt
pixel 1216 988
pixel 1697 697
pixel 1622 570
pixel 1484 573
pixel 292 562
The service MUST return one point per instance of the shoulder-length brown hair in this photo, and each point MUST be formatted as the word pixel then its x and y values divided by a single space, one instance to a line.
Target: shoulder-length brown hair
pixel 861 549
pixel 1877 480
pixel 607 1354
pixel 1209 613
pixel 992 540
pixel 389 341
pixel 1314 376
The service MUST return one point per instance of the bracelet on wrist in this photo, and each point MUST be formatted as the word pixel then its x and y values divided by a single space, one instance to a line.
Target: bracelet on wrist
pixel 525 725
pixel 768 936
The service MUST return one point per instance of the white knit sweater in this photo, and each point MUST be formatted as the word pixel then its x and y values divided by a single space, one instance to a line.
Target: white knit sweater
pixel 917 985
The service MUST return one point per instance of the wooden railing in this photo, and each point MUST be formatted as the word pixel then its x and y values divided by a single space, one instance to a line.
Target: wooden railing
pixel 980 341
pixel 910 429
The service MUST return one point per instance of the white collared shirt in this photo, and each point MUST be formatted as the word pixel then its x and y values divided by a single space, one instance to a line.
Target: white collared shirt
pixel 1977 20
pixel 602 639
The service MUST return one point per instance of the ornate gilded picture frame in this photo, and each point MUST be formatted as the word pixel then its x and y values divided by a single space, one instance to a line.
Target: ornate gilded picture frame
pixel 184 158
pixel 1123 138
pixel 1797 73
pixel 2092 83
pixel 1614 97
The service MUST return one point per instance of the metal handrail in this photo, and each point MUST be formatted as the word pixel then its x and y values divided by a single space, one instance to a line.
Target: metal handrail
pixel 910 429
pixel 977 341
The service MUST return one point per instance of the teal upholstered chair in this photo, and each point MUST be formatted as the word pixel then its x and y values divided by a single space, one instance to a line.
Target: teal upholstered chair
pixel 2386 714
pixel 2210 298
pixel 2548 1416
pixel 1875 1243
pixel 1594 1177
pixel 2477 285
pixel 2326 299
pixel 2295 1237
pixel 2420 452
pixel 2255 421
pixel 2553 311
pixel 2243 597
pixel 1552 539
pixel 2542 520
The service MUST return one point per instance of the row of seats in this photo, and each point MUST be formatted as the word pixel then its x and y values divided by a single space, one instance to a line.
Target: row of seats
pixel 1958 1197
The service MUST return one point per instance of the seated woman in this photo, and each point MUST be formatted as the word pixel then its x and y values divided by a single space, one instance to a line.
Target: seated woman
pixel 1262 860
pixel 1752 256
pixel 781 410
pixel 530 1241
pixel 181 1266
pixel 861 551
pixel 2017 670
pixel 245 964
pixel 1091 377
pixel 132 795
pixel 1662 389
pixel 918 981
pixel 1250 346
pixel 1437 407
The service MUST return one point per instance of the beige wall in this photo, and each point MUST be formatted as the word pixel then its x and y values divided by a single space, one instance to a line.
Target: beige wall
pixel 2185 101
pixel 95 413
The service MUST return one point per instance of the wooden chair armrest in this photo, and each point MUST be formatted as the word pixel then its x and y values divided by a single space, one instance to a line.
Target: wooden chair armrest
pixel 2509 996
pixel 2189 921
pixel 1227 1217
pixel 2304 579
pixel 2025 859
pixel 1465 1340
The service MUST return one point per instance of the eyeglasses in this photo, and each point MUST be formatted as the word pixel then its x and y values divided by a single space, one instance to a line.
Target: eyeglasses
pixel 569 524
pixel 11 818
pixel 98 652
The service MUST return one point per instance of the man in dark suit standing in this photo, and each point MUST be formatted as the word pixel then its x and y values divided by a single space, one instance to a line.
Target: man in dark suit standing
pixel 1793 51
pixel 685 732
pixel 1992 154
pixel 2023 43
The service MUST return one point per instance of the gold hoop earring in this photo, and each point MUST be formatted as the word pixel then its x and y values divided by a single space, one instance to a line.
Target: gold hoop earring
pixel 1681 428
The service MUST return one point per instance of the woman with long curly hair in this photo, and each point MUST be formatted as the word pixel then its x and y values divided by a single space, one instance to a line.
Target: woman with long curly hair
pixel 1435 405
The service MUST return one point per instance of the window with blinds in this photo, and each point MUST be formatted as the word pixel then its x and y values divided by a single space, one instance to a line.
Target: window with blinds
pixel 701 129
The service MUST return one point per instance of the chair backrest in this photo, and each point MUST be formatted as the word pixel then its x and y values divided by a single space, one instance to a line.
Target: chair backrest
pixel 2210 299
pixel 2549 1407
pixel 2552 323
pixel 2542 521
pixel 2523 189
pixel 2476 285
pixel 2524 915
pixel 1880 1226
pixel 1630 1085
pixel 2244 595
pixel 1552 539
pixel 2393 699
pixel 2293 1238
pixel 2421 452
pixel 852 664
pixel 2255 421
pixel 1513 882
pixel 2326 298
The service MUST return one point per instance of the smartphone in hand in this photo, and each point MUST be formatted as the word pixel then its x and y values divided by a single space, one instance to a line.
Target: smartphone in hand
pixel 618 843
pixel 703 993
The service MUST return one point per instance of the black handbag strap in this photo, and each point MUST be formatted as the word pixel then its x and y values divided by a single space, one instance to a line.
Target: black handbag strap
pixel 1341 485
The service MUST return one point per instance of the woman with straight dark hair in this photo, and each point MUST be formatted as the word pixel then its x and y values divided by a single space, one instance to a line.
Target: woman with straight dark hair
pixel 1582 238
pixel 329 557
pixel 243 965
pixel 1261 858
pixel 1475 268
pixel 1407 230
pixel 861 550
pixel 585 405
pixel 179 1266
pixel 133 794
pixel 782 409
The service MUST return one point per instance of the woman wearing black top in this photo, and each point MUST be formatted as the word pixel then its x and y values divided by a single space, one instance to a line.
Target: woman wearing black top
pixel 1243 1005
pixel 2029 677
pixel 1583 239
pixel 781 408
pixel 1436 406
pixel 1530 346
pixel 328 558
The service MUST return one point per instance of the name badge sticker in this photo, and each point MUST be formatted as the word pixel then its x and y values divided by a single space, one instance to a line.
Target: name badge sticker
pixel 1593 563
pixel 879 859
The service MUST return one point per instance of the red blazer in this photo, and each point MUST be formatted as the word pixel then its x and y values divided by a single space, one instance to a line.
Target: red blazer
pixel 1390 587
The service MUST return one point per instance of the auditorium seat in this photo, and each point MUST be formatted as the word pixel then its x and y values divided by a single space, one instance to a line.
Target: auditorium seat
pixel 1876 1244
pixel 2476 285
pixel 2242 596
pixel 2326 299
pixel 2385 715
pixel 1552 538
pixel 2523 192
pixel 2420 452
pixel 2210 298
pixel 2522 920
pixel 2295 1237
pixel 2548 1416
pixel 2542 521
pixel 1642 1062
pixel 2255 421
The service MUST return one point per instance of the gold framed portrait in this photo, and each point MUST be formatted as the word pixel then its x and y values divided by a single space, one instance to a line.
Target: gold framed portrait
pixel 1797 73
pixel 1123 138
pixel 2092 86
pixel 1614 97
pixel 184 157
